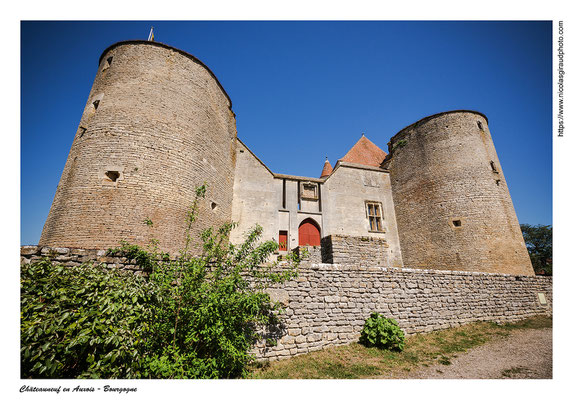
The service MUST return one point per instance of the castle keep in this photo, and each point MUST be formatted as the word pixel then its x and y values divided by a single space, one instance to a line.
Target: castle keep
pixel 158 123
pixel 425 233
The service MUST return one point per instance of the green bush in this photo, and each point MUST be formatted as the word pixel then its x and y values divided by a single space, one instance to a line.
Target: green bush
pixel 82 322
pixel 382 332
pixel 192 317
pixel 210 308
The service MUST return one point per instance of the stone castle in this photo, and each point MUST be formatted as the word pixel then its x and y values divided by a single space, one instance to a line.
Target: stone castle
pixel 158 123
pixel 426 234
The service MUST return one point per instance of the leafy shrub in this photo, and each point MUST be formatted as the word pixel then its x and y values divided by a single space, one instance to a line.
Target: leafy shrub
pixel 210 307
pixel 82 322
pixel 191 317
pixel 382 332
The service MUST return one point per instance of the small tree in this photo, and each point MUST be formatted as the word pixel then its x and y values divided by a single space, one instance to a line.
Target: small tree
pixel 210 307
pixel 539 242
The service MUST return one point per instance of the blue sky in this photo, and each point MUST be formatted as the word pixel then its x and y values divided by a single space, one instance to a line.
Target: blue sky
pixel 306 90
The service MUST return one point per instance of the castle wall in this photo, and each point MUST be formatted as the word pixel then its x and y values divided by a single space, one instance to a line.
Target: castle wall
pixel 270 200
pixel 355 250
pixel 451 198
pixel 256 197
pixel 327 304
pixel 156 125
pixel 345 194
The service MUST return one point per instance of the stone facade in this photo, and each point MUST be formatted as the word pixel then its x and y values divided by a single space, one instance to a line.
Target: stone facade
pixel 451 198
pixel 279 202
pixel 156 125
pixel 347 191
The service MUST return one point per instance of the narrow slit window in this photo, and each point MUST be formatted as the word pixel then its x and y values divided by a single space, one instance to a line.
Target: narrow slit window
pixel 284 193
pixel 298 194
pixel 96 104
pixel 492 165
pixel 480 126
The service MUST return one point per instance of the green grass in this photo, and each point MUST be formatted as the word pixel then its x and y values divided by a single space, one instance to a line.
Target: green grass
pixel 356 361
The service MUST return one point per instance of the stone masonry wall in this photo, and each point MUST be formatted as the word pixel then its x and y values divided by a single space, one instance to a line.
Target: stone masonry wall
pixel 157 124
pixel 358 250
pixel 74 257
pixel 327 304
pixel 452 202
pixel 313 253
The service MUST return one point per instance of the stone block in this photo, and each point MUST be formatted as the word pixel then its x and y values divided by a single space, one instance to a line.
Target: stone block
pixel 28 250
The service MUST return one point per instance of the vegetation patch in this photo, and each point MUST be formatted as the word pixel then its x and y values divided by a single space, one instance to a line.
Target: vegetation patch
pixel 515 371
pixel 190 317
pixel 382 332
pixel 359 361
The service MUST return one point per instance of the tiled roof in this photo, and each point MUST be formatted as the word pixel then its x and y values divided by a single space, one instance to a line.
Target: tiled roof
pixel 326 170
pixel 366 153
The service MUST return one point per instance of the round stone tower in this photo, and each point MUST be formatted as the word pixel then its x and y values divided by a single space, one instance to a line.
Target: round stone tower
pixel 453 207
pixel 157 124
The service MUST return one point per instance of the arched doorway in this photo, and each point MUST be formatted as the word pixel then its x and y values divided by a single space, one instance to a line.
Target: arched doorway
pixel 308 233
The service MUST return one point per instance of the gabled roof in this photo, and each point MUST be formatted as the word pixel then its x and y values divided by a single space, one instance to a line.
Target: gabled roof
pixel 326 170
pixel 365 152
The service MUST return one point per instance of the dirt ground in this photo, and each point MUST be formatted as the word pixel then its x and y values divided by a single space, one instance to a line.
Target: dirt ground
pixel 525 354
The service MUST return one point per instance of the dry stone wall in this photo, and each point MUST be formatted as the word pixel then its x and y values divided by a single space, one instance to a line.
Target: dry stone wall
pixel 311 254
pixel 74 257
pixel 327 304
pixel 354 250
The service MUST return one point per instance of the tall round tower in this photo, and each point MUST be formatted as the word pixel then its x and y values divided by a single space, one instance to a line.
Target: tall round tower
pixel 156 125
pixel 453 207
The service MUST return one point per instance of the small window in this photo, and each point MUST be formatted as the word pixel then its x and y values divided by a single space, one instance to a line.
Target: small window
pixel 96 104
pixel 112 175
pixel 457 222
pixel 107 64
pixel 480 126
pixel 493 168
pixel 374 214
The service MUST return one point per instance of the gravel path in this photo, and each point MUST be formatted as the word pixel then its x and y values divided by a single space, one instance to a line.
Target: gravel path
pixel 525 354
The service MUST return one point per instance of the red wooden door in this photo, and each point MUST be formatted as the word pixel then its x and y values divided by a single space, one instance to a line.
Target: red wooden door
pixel 283 238
pixel 308 233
